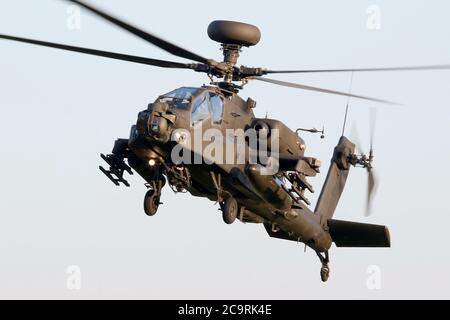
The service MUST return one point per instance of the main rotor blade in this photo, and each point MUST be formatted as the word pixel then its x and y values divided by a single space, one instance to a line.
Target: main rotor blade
pixel 163 44
pixel 310 88
pixel 107 54
pixel 407 68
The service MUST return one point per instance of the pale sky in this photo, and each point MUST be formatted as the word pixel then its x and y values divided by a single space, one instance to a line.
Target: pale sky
pixel 59 110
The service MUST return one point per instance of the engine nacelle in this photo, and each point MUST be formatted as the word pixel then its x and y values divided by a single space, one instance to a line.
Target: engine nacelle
pixel 289 141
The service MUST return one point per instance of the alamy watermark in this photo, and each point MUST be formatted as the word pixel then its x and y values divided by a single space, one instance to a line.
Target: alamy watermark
pixel 73 20
pixel 373 21
pixel 373 281
pixel 251 146
pixel 73 281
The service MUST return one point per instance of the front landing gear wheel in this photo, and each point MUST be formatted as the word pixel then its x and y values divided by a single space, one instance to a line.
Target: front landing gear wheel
pixel 151 202
pixel 229 210
pixel 324 273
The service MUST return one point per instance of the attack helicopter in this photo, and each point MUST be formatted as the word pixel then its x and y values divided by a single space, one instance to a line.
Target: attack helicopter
pixel 270 191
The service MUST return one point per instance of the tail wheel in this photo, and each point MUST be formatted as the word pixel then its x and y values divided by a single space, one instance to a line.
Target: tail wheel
pixel 324 273
pixel 151 202
pixel 230 210
pixel 325 270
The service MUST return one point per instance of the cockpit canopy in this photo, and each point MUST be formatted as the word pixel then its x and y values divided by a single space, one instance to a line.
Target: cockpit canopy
pixel 203 104
pixel 179 98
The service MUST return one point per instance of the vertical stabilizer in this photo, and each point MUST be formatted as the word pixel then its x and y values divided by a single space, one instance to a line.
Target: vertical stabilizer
pixel 336 178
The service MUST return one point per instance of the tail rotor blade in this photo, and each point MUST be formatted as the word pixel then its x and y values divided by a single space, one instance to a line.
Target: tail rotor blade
pixel 373 118
pixel 355 138
pixel 371 191
pixel 372 182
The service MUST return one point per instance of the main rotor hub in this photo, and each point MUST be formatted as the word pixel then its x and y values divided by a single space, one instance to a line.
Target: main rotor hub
pixel 233 36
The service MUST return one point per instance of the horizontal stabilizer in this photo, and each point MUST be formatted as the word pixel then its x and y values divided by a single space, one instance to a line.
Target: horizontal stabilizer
pixel 354 234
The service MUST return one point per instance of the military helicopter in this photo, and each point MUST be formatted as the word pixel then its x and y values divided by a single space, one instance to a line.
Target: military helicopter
pixel 243 191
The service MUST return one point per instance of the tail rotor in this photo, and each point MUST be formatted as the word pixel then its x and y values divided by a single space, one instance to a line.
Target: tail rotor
pixel 366 161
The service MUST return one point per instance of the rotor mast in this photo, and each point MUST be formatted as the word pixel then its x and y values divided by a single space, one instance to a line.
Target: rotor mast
pixel 230 58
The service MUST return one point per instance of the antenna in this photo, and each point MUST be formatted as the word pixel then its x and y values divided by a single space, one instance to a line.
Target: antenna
pixel 313 130
pixel 345 118
pixel 348 100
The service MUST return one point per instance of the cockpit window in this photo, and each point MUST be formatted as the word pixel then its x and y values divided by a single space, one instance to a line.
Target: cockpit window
pixel 216 108
pixel 200 109
pixel 179 98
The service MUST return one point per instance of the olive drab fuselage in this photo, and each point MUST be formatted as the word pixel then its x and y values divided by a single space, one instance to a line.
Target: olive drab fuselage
pixel 261 198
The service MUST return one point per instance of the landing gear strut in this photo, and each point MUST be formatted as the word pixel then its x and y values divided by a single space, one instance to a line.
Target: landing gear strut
pixel 325 269
pixel 152 197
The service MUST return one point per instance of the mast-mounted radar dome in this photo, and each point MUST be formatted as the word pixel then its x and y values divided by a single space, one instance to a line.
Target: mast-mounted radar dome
pixel 232 32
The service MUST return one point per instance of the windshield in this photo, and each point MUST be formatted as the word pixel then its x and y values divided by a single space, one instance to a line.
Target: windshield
pixel 200 109
pixel 216 108
pixel 179 98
